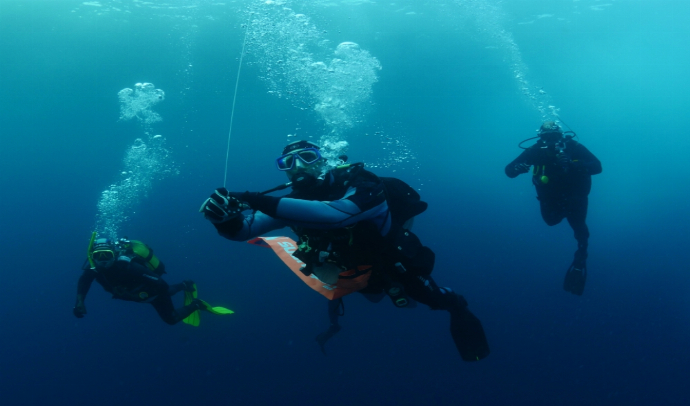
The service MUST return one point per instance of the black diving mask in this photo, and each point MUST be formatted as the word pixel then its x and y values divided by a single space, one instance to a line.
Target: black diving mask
pixel 551 138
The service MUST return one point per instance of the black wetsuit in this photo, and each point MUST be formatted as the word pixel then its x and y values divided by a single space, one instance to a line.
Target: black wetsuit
pixel 127 279
pixel 562 186
pixel 348 215
pixel 366 221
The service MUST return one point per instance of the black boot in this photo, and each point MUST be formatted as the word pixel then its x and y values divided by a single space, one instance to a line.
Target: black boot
pixel 576 276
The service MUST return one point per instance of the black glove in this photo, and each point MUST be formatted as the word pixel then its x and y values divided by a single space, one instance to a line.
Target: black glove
pixel 221 206
pixel 563 160
pixel 79 308
pixel 522 168
pixel 257 201
pixel 250 198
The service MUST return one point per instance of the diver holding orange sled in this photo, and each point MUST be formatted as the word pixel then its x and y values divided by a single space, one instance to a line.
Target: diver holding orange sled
pixel 353 233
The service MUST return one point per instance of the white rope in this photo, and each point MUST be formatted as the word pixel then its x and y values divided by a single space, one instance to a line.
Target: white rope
pixel 234 99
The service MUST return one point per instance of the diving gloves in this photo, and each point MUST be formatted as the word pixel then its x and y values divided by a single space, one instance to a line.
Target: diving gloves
pixel 220 207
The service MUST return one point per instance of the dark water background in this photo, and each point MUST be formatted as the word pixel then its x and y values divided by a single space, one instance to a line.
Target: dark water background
pixel 617 71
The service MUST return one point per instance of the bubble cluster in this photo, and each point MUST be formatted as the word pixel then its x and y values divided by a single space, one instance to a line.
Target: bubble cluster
pixel 138 103
pixel 332 148
pixel 144 163
pixel 489 18
pixel 300 65
pixel 395 151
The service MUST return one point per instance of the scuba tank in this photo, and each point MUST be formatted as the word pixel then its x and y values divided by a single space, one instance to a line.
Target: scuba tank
pixel 139 250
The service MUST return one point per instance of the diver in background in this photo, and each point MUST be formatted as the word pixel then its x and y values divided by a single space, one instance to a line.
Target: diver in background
pixel 562 175
pixel 351 224
pixel 122 270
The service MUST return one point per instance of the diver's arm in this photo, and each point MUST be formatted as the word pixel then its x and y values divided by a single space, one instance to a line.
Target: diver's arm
pixel 299 213
pixel 358 204
pixel 585 160
pixel 365 201
pixel 325 215
pixel 83 286
pixel 513 168
pixel 84 283
pixel 247 226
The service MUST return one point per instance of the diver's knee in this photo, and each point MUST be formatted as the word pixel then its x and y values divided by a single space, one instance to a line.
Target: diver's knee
pixel 172 319
pixel 552 220
pixel 449 300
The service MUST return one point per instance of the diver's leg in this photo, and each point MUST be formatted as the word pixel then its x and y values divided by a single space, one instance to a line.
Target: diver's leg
pixel 577 219
pixel 164 306
pixel 576 275
pixel 466 330
pixel 552 210
pixel 336 308
pixel 187 286
pixel 167 312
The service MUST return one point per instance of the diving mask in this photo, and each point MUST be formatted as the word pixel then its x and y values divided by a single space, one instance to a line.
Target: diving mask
pixel 308 156
pixel 103 258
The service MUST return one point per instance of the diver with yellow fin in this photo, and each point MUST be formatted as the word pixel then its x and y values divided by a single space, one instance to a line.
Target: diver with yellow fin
pixel 130 271
pixel 354 236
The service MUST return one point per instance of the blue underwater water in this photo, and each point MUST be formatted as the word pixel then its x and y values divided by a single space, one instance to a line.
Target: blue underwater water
pixel 437 93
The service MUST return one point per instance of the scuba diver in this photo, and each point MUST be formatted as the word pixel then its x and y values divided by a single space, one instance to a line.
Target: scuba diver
pixel 129 271
pixel 352 226
pixel 562 174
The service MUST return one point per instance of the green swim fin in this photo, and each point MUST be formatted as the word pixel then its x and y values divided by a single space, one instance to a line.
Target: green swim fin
pixel 217 309
pixel 193 319
pixel 575 277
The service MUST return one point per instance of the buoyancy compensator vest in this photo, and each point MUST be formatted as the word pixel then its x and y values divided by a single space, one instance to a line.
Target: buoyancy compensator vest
pixel 142 253
pixel 328 252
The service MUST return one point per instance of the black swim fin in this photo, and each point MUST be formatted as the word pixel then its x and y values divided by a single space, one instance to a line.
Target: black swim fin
pixel 468 334
pixel 575 277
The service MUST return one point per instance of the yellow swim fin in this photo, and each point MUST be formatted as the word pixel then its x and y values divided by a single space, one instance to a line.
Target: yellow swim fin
pixel 217 310
pixel 194 318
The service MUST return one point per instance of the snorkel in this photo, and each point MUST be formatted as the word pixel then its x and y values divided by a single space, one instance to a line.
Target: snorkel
pixel 88 252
